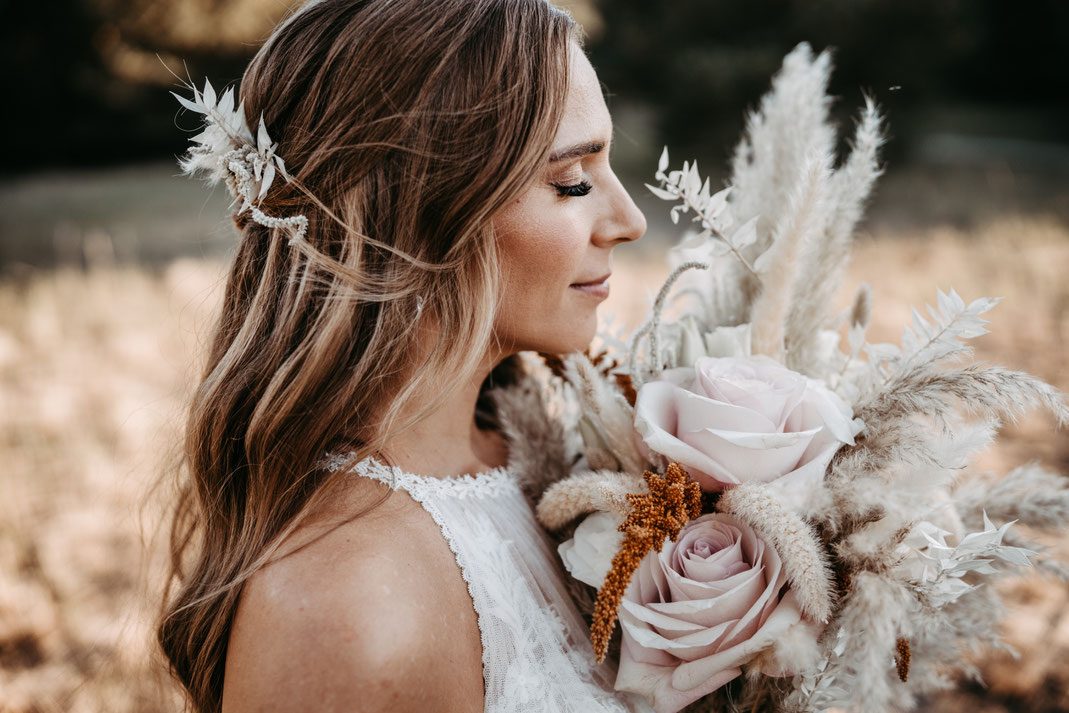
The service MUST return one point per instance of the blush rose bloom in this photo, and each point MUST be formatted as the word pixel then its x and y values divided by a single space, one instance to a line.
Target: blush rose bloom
pixel 699 609
pixel 736 420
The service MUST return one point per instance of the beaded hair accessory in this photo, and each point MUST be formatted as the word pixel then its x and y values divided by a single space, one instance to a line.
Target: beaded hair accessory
pixel 226 151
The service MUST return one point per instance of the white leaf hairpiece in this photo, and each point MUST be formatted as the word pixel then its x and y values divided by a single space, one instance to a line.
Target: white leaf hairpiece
pixel 226 151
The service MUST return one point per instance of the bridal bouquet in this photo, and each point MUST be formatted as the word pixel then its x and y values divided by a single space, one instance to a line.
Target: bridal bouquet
pixel 777 514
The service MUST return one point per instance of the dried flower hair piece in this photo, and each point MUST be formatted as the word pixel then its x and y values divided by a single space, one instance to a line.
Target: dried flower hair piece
pixel 227 151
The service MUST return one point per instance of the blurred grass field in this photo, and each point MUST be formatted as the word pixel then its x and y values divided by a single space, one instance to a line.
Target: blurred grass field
pixel 97 360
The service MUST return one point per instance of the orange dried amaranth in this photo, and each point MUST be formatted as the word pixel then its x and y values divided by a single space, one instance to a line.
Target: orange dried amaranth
pixel 627 387
pixel 674 498
pixel 902 656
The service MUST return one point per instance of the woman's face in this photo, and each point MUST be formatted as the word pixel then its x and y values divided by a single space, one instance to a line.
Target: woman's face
pixel 556 238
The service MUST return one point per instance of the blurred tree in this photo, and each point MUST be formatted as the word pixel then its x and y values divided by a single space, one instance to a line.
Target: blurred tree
pixel 698 61
pixel 93 74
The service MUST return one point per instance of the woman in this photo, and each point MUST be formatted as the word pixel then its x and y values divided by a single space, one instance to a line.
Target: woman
pixel 449 161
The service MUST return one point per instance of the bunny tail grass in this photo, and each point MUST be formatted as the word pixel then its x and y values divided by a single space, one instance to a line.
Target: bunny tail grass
pixel 792 538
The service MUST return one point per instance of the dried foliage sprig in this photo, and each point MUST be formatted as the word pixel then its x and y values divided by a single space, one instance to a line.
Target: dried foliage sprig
pixel 672 501
pixel 650 330
pixel 606 418
pixel 710 211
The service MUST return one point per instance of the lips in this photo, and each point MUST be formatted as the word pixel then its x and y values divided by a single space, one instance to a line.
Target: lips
pixel 596 281
pixel 598 287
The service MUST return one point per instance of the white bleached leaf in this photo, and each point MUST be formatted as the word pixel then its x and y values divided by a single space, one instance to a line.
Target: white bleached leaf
pixel 718 202
pixel 979 566
pixel 269 176
pixel 718 248
pixel 661 193
pixel 703 194
pixel 694 241
pixel 956 304
pixel 226 104
pixel 188 104
pixel 239 118
pixel 263 141
pixel 763 262
pixel 209 95
pixel 746 235
pixel 282 168
pixel 662 163
pixel 1015 555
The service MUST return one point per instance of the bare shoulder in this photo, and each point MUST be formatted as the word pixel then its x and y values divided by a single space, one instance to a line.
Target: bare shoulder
pixel 373 616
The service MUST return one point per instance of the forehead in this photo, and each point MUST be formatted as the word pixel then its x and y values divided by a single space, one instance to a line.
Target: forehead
pixel 586 117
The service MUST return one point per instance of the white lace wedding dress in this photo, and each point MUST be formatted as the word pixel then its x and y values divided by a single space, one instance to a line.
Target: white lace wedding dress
pixel 536 654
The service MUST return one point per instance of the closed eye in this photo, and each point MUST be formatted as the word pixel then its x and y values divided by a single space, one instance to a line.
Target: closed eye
pixel 573 190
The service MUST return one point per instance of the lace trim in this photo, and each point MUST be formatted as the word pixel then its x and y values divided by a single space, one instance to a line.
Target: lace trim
pixel 465 570
pixel 423 488
pixel 486 484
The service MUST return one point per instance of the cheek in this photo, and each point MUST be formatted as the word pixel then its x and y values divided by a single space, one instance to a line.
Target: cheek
pixel 541 254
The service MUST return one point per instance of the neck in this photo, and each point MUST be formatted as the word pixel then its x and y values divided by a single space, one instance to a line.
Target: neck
pixel 447 442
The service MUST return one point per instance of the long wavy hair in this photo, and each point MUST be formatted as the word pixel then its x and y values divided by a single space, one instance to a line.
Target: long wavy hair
pixel 407 124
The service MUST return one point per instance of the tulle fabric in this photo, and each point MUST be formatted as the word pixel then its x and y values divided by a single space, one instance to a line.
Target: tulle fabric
pixel 536 654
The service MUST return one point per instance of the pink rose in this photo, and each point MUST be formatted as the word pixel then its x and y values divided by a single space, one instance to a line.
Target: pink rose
pixel 699 609
pixel 735 420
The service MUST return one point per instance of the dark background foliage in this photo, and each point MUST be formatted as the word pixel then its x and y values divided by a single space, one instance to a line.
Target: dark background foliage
pixel 89 75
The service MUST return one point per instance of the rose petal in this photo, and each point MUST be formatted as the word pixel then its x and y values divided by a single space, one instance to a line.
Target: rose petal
pixel 663 622
pixel 833 412
pixel 653 411
pixel 760 456
pixel 794 488
pixel 654 682
pixel 588 554
pixel 771 401
pixel 692 673
pixel 728 605
pixel 697 411
pixel 684 645
pixel 685 589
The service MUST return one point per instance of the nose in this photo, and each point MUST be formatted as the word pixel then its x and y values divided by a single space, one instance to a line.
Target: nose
pixel 622 221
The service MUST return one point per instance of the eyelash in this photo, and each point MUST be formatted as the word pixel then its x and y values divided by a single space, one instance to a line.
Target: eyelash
pixel 575 190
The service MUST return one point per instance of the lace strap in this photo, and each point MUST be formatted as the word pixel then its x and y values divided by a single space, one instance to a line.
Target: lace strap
pixel 487 484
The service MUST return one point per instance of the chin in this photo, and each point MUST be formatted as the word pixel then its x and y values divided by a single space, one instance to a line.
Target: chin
pixel 574 338
pixel 557 336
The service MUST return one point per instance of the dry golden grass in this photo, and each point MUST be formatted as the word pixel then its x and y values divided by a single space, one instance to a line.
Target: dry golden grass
pixel 95 366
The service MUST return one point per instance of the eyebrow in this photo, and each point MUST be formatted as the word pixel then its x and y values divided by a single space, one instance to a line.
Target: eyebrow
pixel 577 151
